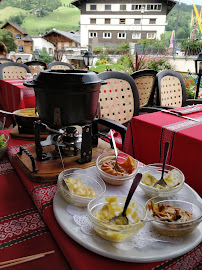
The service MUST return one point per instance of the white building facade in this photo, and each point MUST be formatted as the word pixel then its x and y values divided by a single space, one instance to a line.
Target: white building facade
pixel 40 42
pixel 114 22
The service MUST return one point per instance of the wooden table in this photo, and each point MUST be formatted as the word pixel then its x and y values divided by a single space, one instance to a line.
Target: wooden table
pixel 77 256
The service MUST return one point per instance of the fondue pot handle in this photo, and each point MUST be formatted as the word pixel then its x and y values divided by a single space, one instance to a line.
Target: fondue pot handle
pixel 30 83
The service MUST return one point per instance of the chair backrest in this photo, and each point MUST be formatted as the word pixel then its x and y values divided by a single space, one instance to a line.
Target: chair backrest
pixel 12 70
pixel 171 89
pixel 60 65
pixel 5 60
pixel 118 99
pixel 36 66
pixel 145 81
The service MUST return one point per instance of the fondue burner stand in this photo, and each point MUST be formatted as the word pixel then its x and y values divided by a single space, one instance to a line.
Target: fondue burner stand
pixel 64 148
pixel 67 141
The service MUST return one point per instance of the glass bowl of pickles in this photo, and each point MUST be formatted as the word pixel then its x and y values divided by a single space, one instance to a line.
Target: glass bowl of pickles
pixel 78 188
pixel 102 210
pixel 151 173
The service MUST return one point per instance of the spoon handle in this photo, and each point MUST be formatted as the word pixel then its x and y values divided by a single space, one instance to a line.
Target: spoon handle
pixel 114 144
pixel 133 187
pixel 167 144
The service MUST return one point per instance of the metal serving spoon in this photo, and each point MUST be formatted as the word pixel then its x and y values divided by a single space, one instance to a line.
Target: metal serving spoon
pixel 122 218
pixel 162 181
pixel 115 150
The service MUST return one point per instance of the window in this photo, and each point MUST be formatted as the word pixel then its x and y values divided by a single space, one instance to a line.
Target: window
pixel 137 21
pixel 20 48
pixel 122 7
pixel 92 34
pixel 92 21
pixel 154 7
pixel 107 35
pixel 136 35
pixel 93 7
pixel 107 21
pixel 151 35
pixel 152 21
pixel 18 36
pixel 107 7
pixel 121 35
pixel 137 7
pixel 122 21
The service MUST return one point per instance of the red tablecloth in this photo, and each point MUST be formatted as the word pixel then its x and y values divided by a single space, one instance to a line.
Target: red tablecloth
pixel 78 257
pixel 22 230
pixel 13 96
pixel 146 135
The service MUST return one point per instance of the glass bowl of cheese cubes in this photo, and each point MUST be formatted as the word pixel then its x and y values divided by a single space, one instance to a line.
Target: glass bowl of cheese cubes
pixel 152 173
pixel 77 187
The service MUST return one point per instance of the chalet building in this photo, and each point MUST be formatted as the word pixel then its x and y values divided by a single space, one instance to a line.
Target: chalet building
pixel 67 46
pixel 23 41
pixel 117 21
pixel 68 42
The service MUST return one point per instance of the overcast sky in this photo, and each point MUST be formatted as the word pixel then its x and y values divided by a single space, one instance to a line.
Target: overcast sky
pixel 189 2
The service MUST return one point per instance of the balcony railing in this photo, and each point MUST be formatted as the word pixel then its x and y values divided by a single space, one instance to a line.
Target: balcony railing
pixel 178 48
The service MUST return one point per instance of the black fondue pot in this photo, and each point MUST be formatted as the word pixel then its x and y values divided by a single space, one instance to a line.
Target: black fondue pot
pixel 66 97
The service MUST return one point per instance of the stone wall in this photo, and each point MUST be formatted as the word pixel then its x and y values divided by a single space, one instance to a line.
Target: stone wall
pixel 182 64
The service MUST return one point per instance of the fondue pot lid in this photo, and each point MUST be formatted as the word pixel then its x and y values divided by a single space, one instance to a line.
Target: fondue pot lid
pixel 66 77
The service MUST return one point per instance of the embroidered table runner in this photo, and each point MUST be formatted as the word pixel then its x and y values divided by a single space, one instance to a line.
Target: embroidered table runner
pixel 188 109
pixel 22 230
pixel 76 255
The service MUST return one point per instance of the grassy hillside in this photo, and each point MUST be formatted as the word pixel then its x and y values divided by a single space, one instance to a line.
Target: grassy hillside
pixel 10 11
pixel 63 18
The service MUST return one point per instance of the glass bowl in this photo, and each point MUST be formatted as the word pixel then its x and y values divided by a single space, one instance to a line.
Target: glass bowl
pixel 111 232
pixel 178 227
pixel 154 170
pixel 111 179
pixel 4 146
pixel 89 181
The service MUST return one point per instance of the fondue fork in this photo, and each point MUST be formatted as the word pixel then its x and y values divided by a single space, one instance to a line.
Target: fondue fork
pixel 60 156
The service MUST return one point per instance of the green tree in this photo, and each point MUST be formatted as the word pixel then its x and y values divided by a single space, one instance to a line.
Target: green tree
pixel 44 56
pixel 17 19
pixel 7 38
pixel 181 33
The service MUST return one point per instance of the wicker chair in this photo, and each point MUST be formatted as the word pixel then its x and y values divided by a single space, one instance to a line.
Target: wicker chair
pixel 118 101
pixel 5 60
pixel 36 66
pixel 12 70
pixel 60 65
pixel 145 81
pixel 171 90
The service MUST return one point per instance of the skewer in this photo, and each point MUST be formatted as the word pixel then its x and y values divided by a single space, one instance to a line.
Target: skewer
pixel 176 114
pixel 24 259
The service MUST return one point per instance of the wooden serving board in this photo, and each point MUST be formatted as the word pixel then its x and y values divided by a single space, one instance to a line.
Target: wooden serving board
pixel 49 170
pixel 22 136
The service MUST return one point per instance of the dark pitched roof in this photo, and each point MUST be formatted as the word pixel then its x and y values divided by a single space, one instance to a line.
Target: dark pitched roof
pixel 70 35
pixel 27 38
pixel 170 4
pixel 15 26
